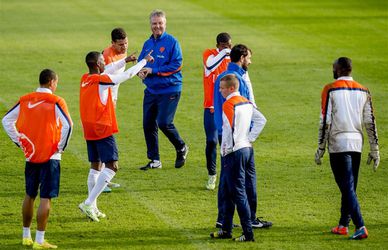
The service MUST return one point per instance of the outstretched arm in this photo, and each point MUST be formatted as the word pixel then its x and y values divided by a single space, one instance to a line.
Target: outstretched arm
pixel 132 71
pixel 112 67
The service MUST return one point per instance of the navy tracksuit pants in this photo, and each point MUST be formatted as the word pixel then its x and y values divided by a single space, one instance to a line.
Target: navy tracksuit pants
pixel 251 192
pixel 239 180
pixel 158 112
pixel 211 141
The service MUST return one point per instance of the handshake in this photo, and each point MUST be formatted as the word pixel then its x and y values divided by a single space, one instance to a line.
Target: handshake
pixel 373 155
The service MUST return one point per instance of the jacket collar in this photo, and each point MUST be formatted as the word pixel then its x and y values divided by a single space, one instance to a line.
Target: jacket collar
pixel 234 67
pixel 44 90
pixel 159 38
pixel 346 78
pixel 233 94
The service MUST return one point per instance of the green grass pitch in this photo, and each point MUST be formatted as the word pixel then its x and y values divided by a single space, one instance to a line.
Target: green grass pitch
pixel 294 43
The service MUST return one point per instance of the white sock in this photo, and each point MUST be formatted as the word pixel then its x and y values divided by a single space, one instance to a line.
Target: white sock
pixel 39 237
pixel 26 232
pixel 92 179
pixel 102 168
pixel 103 180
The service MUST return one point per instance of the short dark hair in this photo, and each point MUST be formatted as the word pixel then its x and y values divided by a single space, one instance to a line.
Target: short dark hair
pixel 118 34
pixel 223 38
pixel 238 51
pixel 345 64
pixel 46 76
pixel 91 58
pixel 230 81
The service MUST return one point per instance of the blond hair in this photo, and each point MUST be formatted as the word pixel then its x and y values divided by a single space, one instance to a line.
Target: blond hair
pixel 230 80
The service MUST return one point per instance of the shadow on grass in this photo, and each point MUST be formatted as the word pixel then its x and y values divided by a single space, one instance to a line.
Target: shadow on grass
pixel 170 238
pixel 119 239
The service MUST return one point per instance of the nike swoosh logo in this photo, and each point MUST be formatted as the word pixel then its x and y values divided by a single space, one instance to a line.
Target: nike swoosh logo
pixel 30 106
pixel 83 84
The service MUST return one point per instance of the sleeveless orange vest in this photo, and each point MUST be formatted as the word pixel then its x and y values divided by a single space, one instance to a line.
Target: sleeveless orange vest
pixel 40 131
pixel 110 55
pixel 98 120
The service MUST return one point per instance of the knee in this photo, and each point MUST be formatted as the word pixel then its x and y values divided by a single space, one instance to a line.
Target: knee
pixel 165 126
pixel 113 165
pixel 29 198
pixel 45 204
pixel 211 142
pixel 96 166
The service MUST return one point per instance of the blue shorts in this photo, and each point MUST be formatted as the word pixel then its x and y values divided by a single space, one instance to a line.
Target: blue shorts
pixel 46 174
pixel 104 150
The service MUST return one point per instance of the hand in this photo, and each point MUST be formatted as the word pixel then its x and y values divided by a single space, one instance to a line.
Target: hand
pixel 227 51
pixel 318 155
pixel 375 156
pixel 145 71
pixel 141 75
pixel 131 58
pixel 148 57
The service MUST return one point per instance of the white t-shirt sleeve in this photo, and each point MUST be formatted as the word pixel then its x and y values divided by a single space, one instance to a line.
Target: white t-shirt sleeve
pixel 9 122
pixel 129 73
pixel 112 67
pixel 213 62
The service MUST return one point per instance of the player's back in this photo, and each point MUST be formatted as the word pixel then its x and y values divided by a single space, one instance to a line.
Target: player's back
pixel 37 124
pixel 344 111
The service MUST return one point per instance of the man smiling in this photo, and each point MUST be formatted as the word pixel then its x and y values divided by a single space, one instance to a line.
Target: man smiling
pixel 163 80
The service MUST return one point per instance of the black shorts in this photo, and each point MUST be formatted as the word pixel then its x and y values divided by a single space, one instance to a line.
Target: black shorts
pixel 46 175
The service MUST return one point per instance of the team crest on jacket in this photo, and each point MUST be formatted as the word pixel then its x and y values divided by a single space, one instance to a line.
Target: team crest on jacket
pixel 161 49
